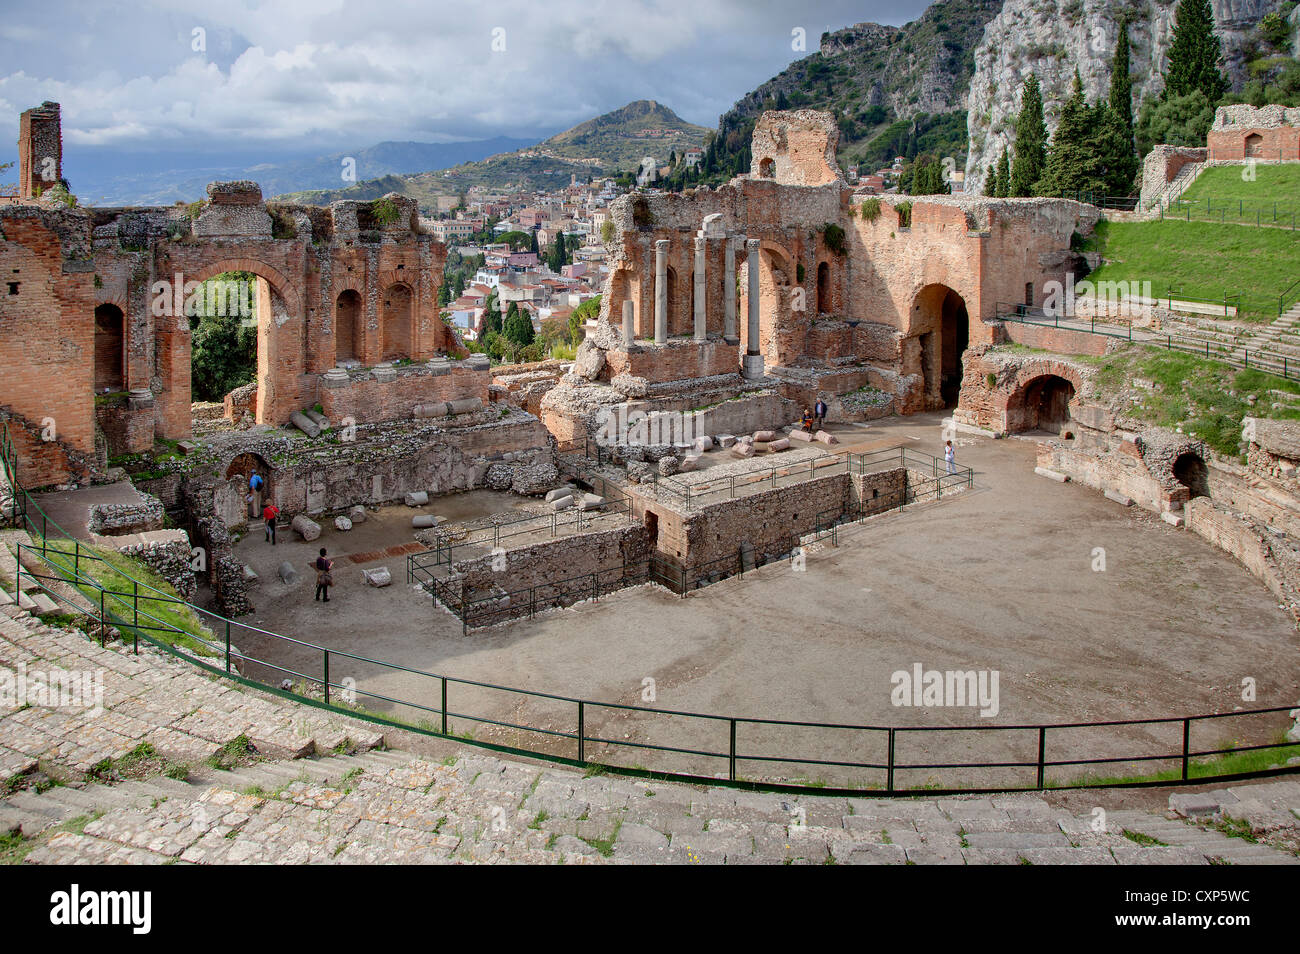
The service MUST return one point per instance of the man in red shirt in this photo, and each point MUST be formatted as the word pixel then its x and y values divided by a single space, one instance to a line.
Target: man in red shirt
pixel 269 513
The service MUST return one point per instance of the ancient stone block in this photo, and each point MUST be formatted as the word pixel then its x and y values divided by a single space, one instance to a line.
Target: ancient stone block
pixel 416 498
pixel 779 445
pixel 825 437
pixel 801 435
pixel 378 576
pixel 668 466
pixel 287 573
pixel 342 523
pixel 357 514
pixel 304 424
pixel 305 527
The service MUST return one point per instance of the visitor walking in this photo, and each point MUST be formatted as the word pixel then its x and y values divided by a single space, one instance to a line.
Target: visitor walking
pixel 324 579
pixel 950 457
pixel 819 413
pixel 269 513
pixel 255 485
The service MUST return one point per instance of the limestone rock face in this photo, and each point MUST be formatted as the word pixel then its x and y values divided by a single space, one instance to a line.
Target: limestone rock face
pixel 1053 37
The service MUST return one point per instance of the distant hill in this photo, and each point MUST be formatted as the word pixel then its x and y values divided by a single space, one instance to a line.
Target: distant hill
pixel 613 142
pixel 162 180
pixel 894 90
pixel 620 139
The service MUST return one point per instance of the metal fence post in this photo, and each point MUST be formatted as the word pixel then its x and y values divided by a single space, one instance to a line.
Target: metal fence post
pixel 1042 752
pixel 582 733
pixel 444 705
pixel 227 647
pixel 1187 739
pixel 325 682
pixel 889 779
pixel 732 751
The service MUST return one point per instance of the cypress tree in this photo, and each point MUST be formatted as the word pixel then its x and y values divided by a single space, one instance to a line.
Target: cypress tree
pixel 1194 53
pixel 1004 175
pixel 1031 141
pixel 1071 152
pixel 1119 146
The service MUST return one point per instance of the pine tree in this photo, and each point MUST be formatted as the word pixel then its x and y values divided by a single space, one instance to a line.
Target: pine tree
pixel 1031 141
pixel 1194 53
pixel 991 180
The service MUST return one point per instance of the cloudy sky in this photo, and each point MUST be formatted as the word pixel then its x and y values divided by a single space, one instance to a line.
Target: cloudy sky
pixel 308 76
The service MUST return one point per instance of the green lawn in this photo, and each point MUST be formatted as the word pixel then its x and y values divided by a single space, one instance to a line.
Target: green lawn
pixel 1220 190
pixel 1202 260
pixel 1207 398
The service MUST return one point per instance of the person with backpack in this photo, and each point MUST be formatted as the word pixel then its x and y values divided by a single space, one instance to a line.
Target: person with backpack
pixel 324 578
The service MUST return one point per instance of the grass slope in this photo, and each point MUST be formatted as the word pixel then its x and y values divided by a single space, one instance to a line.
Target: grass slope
pixel 1223 188
pixel 1202 260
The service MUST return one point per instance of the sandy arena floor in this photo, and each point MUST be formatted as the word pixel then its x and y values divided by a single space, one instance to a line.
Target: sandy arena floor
pixel 999 578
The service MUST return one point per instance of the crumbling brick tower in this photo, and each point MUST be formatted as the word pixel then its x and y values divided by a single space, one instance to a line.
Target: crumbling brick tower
pixel 40 149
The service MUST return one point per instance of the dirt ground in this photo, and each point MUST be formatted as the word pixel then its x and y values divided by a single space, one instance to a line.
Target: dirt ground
pixel 1000 578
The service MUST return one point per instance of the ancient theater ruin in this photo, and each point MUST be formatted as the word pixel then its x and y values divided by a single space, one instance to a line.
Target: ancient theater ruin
pixel 675 448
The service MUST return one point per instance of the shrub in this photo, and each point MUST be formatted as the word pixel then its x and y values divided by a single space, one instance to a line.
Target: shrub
pixel 871 210
pixel 904 210
pixel 833 237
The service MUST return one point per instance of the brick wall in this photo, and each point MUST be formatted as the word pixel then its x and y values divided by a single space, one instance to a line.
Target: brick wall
pixel 367 400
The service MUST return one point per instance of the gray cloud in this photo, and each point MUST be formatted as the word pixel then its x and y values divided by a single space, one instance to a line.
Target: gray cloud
pixel 320 73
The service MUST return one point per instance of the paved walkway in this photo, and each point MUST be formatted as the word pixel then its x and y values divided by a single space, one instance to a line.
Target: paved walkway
pixel 317 787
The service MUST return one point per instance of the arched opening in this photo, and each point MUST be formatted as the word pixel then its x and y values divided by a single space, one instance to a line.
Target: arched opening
pixel 1191 472
pixel 397 322
pixel 110 346
pixel 941 323
pixel 824 289
pixel 347 326
pixel 766 168
pixel 241 494
pixel 1254 145
pixel 224 333
pixel 1041 404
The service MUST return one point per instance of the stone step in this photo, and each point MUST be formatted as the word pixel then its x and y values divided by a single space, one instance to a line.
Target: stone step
pixel 86 800
pixel 27 823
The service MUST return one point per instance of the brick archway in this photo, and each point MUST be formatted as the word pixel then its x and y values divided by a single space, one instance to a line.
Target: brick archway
pixel 939 322
pixel 281 342
pixel 1041 403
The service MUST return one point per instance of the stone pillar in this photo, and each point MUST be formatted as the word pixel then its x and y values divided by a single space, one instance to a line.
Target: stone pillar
pixel 729 289
pixel 661 291
pixel 701 298
pixel 629 332
pixel 753 360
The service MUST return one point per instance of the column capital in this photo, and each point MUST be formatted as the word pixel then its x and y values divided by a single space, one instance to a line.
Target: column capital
pixel 699 242
pixel 751 245
pixel 661 245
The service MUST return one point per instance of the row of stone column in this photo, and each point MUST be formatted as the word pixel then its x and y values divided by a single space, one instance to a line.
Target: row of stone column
pixel 753 359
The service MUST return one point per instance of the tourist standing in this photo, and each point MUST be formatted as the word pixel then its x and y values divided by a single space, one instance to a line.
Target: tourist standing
pixel 255 485
pixel 819 413
pixel 269 513
pixel 950 457
pixel 324 579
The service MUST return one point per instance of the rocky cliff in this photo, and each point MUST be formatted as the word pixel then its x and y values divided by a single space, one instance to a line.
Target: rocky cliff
pixel 1054 37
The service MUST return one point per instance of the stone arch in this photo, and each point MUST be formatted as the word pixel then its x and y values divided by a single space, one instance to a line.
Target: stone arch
pixel 1041 403
pixel 777 278
pixel 349 322
pixel 397 321
pixel 1253 146
pixel 110 348
pixel 767 168
pixel 281 285
pixel 940 323
pixel 1189 470
pixel 281 337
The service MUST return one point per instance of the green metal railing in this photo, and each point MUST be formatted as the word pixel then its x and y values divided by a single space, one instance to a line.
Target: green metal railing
pixel 701 747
